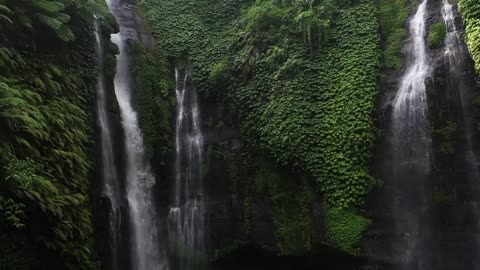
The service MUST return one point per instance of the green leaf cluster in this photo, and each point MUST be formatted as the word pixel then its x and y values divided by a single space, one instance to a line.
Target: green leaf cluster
pixel 436 35
pixel 318 116
pixel 344 229
pixel 54 14
pixel 470 10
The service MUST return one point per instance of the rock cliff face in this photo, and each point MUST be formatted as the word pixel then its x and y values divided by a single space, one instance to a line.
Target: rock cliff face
pixel 236 212
pixel 450 218
pixel 226 209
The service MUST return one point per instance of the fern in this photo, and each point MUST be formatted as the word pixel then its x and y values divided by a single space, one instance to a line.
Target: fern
pixel 57 24
pixel 4 12
pixel 50 13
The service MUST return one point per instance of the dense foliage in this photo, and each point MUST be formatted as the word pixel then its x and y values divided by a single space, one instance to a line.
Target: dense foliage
pixel 470 10
pixel 46 87
pixel 393 14
pixel 300 75
pixel 345 229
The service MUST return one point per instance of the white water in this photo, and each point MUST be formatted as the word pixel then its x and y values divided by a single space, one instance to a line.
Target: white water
pixel 110 185
pixel 410 109
pixel 138 175
pixel 186 220
pixel 454 53
pixel 412 153
pixel 452 38
pixel 146 252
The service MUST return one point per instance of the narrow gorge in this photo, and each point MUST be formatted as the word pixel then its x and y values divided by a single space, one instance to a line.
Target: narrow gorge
pixel 239 134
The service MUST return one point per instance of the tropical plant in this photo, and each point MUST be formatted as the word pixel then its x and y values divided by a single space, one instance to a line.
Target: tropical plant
pixel 45 137
pixel 470 10
pixel 55 14
pixel 4 13
pixel 314 21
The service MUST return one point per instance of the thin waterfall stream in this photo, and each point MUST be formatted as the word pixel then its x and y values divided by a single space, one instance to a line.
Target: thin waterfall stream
pixel 455 55
pixel 411 152
pixel 110 184
pixel 456 58
pixel 186 220
pixel 146 251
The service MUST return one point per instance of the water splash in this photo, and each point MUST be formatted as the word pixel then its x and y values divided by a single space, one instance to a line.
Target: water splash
pixel 186 220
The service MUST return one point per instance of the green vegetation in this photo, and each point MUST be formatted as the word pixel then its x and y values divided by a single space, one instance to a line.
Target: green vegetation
pixel 393 16
pixel 345 229
pixel 300 76
pixel 255 179
pixel 46 91
pixel 292 104
pixel 470 10
pixel 153 99
pixel 436 35
pixel 30 16
pixel 292 201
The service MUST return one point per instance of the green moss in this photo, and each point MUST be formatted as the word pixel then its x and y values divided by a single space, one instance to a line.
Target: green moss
pixel 254 178
pixel 446 137
pixel 292 208
pixel 344 229
pixel 436 35
pixel 151 95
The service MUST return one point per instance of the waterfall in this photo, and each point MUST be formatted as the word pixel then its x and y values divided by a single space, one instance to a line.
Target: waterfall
pixel 186 220
pixel 456 57
pixel 110 185
pixel 146 252
pixel 410 120
pixel 411 153
pixel 458 81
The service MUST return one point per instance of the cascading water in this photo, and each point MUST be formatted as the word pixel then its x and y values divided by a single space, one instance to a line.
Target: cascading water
pixel 110 185
pixel 411 153
pixel 410 120
pixel 456 59
pixel 186 220
pixel 146 251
